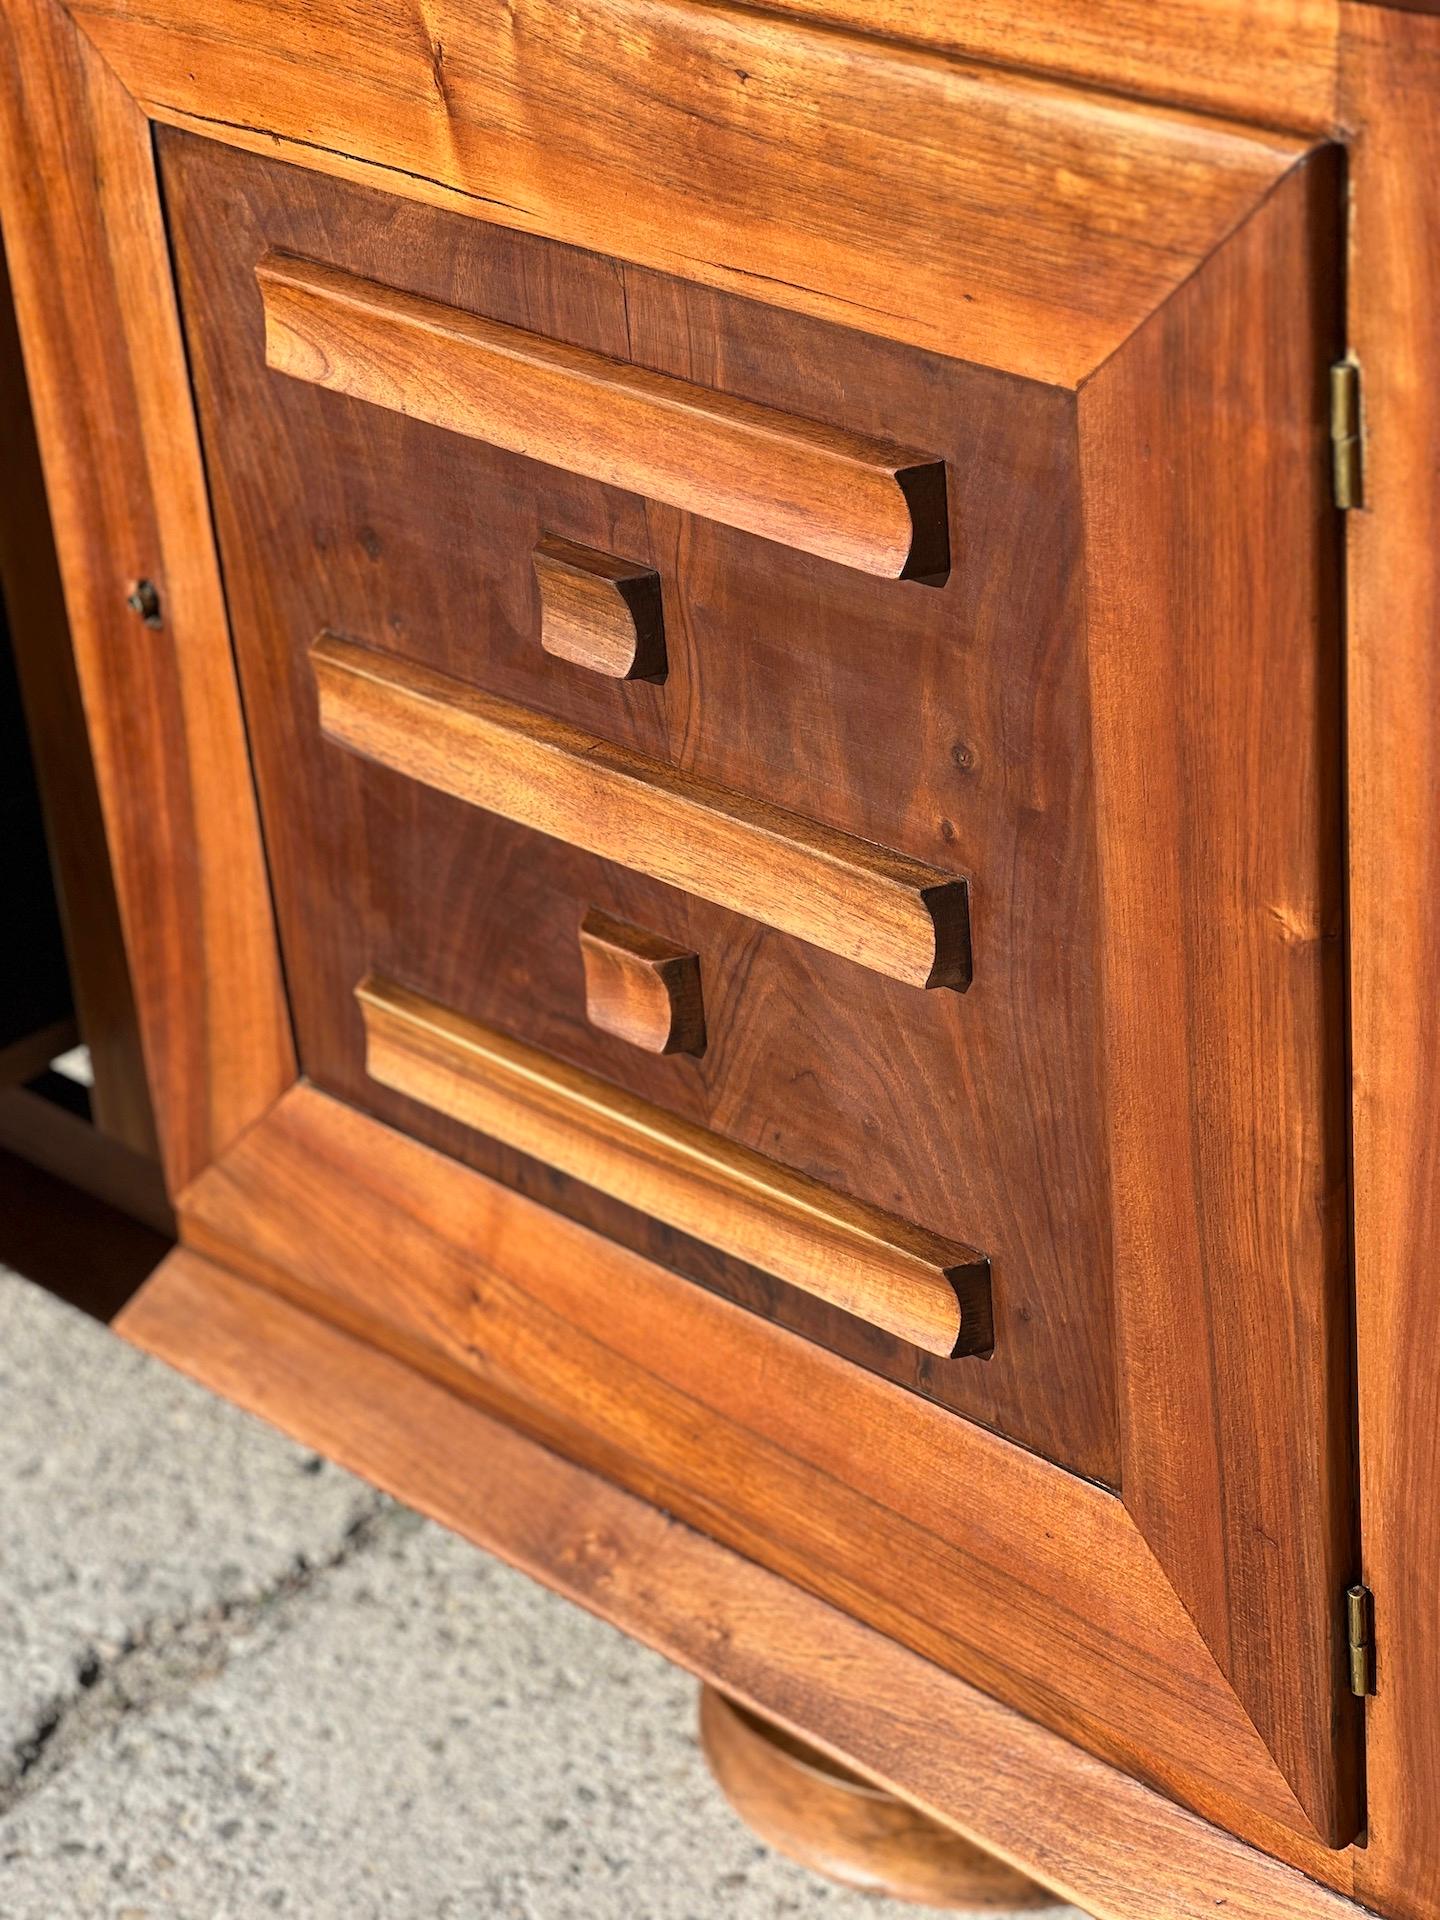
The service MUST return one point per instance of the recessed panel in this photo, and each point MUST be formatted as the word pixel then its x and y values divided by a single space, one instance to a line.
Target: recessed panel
pixel 939 728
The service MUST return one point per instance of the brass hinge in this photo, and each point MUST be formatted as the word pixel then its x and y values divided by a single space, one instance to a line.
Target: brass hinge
pixel 1347 444
pixel 1360 1632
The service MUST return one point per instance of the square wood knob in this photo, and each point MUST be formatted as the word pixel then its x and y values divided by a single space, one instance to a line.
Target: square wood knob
pixel 599 612
pixel 640 987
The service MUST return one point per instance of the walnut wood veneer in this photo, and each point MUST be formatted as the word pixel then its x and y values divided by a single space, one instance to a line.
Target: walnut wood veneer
pixel 862 902
pixel 879 1269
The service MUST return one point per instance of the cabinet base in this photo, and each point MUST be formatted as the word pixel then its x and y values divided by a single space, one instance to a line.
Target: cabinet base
pixel 831 1820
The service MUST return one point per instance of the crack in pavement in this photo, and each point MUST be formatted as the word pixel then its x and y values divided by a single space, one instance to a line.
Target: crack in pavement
pixel 163 1660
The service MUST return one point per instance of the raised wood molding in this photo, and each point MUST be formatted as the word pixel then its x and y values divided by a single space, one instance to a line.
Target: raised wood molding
pixel 1205 1101
pixel 849 896
pixel 761 700
pixel 861 502
pixel 1098 1837
pixel 870 1264
pixel 110 387
pixel 823 174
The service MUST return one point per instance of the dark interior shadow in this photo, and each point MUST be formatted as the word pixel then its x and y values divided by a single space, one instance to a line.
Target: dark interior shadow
pixel 74 1246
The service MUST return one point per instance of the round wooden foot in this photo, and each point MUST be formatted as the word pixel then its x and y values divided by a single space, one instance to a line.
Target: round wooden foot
pixel 829 1819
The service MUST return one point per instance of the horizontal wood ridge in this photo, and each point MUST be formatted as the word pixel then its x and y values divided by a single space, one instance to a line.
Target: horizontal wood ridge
pixel 848 896
pixel 883 1270
pixel 930 1527
pixel 843 496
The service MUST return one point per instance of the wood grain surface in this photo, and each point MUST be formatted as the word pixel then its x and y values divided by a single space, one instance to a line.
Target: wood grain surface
pixel 1252 955
pixel 1275 64
pixel 830 1820
pixel 1099 1838
pixel 993 216
pixel 110 388
pixel 937 1533
pixel 640 986
pixel 1392 69
pixel 1221 846
pixel 947 724
pixel 1033 1583
pixel 859 901
pixel 883 1270
pixel 1238 66
pixel 995 1115
pixel 860 502
pixel 599 612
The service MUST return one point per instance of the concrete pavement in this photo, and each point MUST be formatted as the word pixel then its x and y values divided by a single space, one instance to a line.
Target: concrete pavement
pixel 235 1682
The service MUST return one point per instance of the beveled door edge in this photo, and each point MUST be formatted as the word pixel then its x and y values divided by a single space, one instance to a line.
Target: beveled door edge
pixel 555 1349
pixel 1093 1834
pixel 1158 187
pixel 1233 1343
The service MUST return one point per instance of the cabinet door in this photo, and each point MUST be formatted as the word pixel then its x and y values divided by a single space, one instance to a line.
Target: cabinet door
pixel 947 704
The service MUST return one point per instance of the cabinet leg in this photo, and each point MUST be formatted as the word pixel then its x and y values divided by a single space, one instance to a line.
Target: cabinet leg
pixel 838 1824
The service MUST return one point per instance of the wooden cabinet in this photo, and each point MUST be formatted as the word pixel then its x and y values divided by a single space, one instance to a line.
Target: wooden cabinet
pixel 749 879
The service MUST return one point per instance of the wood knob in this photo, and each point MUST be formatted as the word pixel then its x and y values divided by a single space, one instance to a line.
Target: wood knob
pixel 848 896
pixel 641 987
pixel 599 612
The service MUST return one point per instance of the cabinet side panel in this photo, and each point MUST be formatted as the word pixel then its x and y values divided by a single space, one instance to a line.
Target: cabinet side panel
pixel 1392 95
pixel 90 266
pixel 45 664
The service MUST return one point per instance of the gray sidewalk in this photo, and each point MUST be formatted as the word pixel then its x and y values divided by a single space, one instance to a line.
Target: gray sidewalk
pixel 235 1682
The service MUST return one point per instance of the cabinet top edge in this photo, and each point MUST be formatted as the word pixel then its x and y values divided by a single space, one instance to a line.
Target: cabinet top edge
pixel 1271 63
